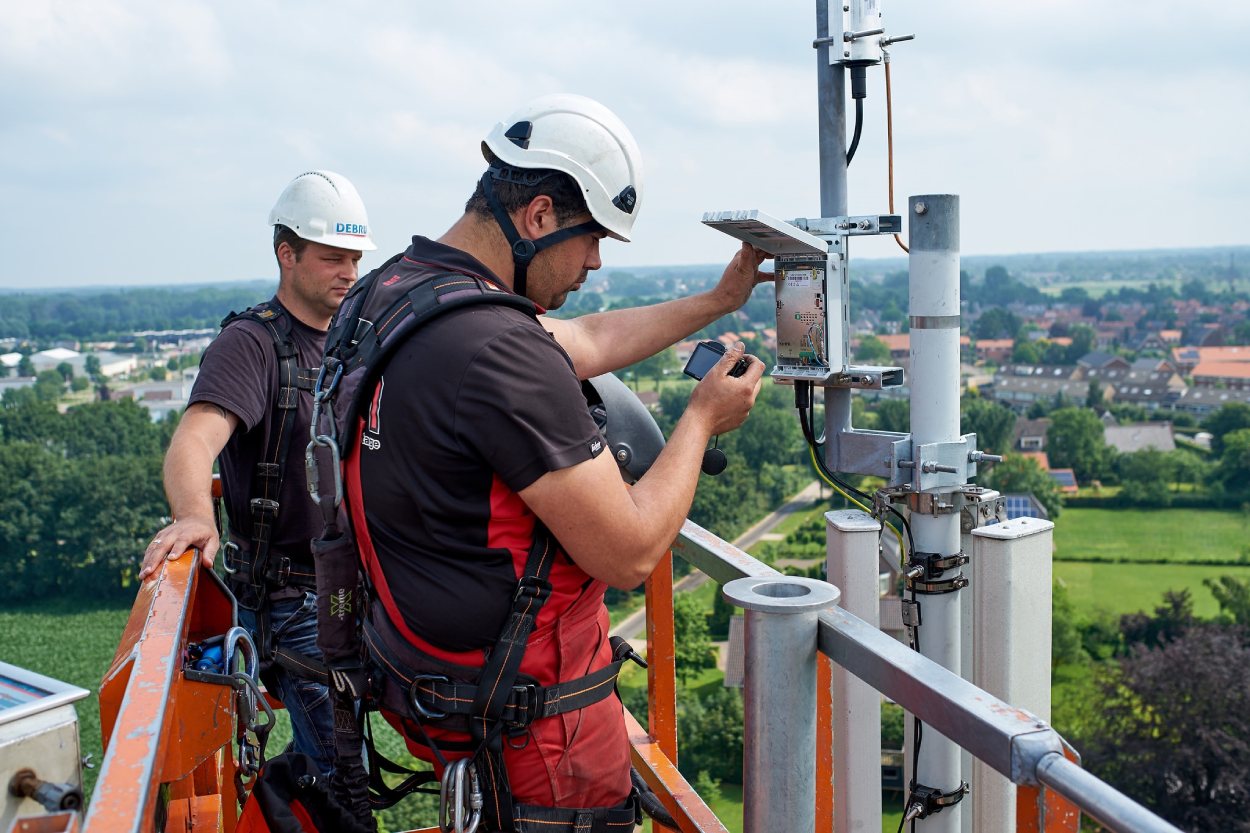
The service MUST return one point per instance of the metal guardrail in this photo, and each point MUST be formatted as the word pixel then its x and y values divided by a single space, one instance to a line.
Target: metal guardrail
pixel 146 704
pixel 1019 745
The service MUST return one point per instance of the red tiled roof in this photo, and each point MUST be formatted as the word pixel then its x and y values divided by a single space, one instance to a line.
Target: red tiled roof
pixel 1223 369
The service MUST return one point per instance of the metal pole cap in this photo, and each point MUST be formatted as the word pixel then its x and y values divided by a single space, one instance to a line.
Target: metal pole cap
pixel 781 594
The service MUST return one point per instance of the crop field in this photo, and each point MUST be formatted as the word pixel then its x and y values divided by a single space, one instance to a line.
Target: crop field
pixel 1128 588
pixel 1172 535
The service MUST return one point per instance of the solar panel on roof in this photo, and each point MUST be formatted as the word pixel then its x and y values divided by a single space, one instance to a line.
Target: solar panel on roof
pixel 1063 477
pixel 1021 506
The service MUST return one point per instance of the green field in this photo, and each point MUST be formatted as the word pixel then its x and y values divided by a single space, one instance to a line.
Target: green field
pixel 72 642
pixel 1128 588
pixel 1174 535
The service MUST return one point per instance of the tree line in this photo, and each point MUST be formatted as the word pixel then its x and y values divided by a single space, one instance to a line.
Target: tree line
pixel 80 495
pixel 114 313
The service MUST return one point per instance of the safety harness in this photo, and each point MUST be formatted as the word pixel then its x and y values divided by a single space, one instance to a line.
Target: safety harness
pixel 369 661
pixel 255 570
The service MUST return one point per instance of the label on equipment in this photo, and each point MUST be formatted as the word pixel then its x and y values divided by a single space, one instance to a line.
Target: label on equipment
pixel 799 278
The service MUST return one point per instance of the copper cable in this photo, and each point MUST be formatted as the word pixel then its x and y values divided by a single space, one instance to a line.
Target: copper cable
pixel 889 141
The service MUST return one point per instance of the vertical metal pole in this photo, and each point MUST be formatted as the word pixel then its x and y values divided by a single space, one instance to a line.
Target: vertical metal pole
pixel 779 703
pixel 934 320
pixel 853 568
pixel 1011 573
pixel 831 121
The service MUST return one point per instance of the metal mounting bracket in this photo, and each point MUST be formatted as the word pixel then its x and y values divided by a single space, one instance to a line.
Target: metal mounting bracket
pixel 861 224
pixel 875 453
pixel 981 507
pixel 866 377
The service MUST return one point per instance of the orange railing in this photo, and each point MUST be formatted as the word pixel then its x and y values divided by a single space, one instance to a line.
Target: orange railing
pixel 168 762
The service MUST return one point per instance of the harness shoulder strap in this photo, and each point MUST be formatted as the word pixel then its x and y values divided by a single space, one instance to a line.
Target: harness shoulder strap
pixel 263 501
pixel 381 312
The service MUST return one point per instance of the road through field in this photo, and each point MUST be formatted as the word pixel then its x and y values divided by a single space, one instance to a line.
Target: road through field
pixel 632 626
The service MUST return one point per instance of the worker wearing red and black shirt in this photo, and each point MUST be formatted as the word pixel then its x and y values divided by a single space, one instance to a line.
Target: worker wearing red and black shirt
pixel 478 430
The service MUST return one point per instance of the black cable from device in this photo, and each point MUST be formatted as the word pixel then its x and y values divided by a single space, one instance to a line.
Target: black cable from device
pixel 859 126
pixel 806 406
pixel 917 726
pixel 859 91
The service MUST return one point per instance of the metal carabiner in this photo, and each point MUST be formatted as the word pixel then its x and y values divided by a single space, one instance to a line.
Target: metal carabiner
pixel 238 637
pixel 250 695
pixel 452 792
pixel 312 469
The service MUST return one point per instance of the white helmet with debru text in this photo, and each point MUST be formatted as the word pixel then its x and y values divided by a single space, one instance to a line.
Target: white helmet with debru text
pixel 323 207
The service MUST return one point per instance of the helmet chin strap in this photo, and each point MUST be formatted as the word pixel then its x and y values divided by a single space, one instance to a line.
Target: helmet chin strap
pixel 524 250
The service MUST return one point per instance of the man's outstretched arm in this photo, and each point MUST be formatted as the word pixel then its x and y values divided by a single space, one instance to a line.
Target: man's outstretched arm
pixel 201 435
pixel 617 534
pixel 605 341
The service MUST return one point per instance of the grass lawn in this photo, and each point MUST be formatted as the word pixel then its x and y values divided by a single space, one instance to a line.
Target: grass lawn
pixel 1175 535
pixel 69 641
pixel 1128 588
pixel 795 520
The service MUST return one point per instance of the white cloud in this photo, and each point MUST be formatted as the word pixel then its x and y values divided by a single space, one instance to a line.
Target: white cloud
pixel 81 48
pixel 1064 124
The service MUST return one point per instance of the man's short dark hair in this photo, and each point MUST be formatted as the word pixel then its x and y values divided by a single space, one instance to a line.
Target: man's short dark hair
pixel 282 234
pixel 565 193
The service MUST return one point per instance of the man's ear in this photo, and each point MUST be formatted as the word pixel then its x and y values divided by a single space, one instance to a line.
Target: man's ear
pixel 538 218
pixel 286 255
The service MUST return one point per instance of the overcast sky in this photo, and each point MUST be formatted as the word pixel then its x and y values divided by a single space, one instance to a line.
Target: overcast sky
pixel 144 141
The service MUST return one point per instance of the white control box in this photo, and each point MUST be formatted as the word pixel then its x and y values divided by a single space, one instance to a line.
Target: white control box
pixel 811 290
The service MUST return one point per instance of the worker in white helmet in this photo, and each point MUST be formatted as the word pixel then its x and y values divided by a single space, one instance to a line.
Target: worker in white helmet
pixel 482 460
pixel 249 408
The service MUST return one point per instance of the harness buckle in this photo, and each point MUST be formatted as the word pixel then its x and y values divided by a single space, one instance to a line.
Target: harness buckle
pixel 414 696
pixel 264 506
pixel 525 703
pixel 282 573
pixel 229 548
pixel 531 588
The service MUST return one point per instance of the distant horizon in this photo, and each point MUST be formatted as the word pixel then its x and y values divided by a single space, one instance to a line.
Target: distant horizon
pixel 608 269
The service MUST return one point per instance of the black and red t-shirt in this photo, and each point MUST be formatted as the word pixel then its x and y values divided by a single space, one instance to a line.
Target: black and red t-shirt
pixel 239 372
pixel 476 405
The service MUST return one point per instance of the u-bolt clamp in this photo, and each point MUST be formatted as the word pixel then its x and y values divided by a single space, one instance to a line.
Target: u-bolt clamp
pixel 460 795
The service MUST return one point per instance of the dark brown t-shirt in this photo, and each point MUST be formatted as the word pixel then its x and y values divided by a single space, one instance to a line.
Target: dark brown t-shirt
pixel 239 372
pixel 472 408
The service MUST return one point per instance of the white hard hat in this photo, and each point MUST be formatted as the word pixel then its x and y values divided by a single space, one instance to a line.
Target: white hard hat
pixel 323 207
pixel 582 138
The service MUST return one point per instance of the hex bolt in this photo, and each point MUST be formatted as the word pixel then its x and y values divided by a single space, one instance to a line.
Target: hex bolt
pixel 921 208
